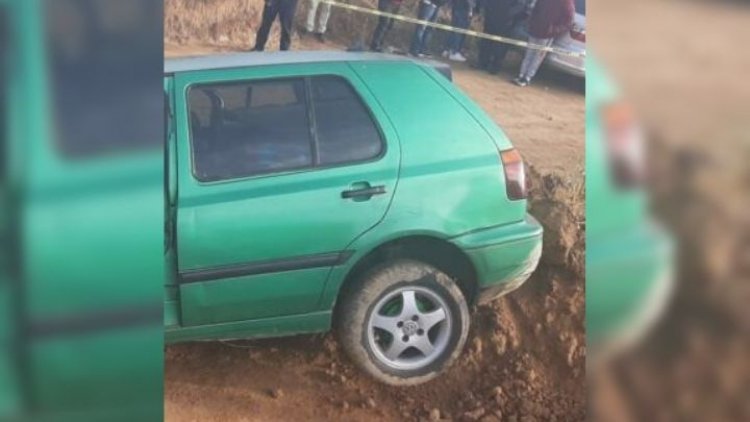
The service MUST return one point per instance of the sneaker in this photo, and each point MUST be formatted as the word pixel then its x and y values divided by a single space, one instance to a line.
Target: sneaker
pixel 446 54
pixel 521 81
pixel 320 37
pixel 456 57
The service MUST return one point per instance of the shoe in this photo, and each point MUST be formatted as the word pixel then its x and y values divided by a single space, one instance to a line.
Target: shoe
pixel 319 36
pixel 457 57
pixel 446 54
pixel 521 81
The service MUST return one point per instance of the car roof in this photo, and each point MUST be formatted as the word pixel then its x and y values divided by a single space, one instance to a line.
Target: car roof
pixel 235 60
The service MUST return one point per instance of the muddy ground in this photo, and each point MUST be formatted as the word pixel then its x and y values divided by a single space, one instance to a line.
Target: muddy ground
pixel 525 356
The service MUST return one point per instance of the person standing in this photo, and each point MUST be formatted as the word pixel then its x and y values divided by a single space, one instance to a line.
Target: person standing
pixel 461 15
pixel 285 10
pixel 384 24
pixel 500 18
pixel 427 11
pixel 325 13
pixel 549 20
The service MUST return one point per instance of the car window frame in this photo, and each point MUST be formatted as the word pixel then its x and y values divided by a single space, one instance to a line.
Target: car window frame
pixel 312 127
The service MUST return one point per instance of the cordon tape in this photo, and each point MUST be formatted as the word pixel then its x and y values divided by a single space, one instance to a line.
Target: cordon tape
pixel 449 28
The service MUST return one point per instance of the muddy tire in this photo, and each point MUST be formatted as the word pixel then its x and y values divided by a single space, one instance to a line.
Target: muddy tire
pixel 403 322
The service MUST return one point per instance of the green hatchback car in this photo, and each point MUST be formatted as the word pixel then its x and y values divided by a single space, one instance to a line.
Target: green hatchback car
pixel 362 191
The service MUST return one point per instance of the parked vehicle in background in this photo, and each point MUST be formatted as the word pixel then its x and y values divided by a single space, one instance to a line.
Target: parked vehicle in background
pixel 573 41
pixel 306 191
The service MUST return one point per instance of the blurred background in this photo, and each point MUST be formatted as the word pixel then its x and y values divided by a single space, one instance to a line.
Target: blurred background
pixel 682 67
pixel 81 210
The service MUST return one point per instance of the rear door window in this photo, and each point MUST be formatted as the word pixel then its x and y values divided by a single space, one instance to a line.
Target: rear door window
pixel 345 129
pixel 249 128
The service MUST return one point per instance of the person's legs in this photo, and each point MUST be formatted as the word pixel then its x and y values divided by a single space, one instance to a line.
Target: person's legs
pixel 270 10
pixel 325 14
pixel 425 12
pixel 431 17
pixel 487 47
pixel 459 19
pixel 533 58
pixel 499 50
pixel 310 22
pixel 286 19
pixel 383 24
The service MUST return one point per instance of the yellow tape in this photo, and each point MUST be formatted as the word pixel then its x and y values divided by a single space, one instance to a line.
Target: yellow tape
pixel 449 28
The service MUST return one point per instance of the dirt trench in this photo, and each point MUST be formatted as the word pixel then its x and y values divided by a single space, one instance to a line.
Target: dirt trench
pixel 525 357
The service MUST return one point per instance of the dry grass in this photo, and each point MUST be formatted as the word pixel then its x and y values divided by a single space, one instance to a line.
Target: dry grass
pixel 232 23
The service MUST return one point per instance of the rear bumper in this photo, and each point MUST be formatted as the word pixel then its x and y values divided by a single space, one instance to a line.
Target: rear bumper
pixel 504 257
pixel 629 280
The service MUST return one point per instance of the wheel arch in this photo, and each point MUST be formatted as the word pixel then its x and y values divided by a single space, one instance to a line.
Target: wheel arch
pixel 438 252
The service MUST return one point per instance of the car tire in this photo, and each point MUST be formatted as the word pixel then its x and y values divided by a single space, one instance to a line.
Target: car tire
pixel 403 322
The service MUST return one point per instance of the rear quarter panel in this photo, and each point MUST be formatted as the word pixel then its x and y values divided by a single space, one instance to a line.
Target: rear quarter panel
pixel 450 177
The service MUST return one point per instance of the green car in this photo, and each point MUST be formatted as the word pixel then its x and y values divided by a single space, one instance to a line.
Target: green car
pixel 629 257
pixel 361 191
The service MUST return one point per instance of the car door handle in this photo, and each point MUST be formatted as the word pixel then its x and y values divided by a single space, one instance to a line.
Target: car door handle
pixel 363 192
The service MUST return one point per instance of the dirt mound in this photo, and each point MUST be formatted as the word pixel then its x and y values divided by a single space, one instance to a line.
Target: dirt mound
pixel 558 202
pixel 524 361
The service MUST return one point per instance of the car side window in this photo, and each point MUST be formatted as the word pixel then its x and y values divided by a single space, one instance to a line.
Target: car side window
pixel 345 129
pixel 249 128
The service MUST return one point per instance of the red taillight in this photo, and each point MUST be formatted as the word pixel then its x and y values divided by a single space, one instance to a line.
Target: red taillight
pixel 515 174
pixel 624 145
pixel 578 33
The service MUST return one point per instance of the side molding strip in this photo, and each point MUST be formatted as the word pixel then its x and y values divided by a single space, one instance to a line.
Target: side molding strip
pixel 264 267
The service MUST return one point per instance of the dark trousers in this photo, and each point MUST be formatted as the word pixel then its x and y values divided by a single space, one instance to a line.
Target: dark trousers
pixel 384 24
pixel 492 53
pixel 285 10
pixel 460 19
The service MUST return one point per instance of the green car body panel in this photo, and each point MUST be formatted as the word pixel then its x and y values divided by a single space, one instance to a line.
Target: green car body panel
pixel 80 225
pixel 628 256
pixel 267 255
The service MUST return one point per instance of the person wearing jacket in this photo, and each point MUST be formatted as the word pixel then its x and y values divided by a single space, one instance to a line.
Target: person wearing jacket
pixel 549 20
pixel 500 17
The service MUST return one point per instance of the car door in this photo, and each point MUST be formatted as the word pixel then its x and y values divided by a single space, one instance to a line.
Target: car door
pixel 279 169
